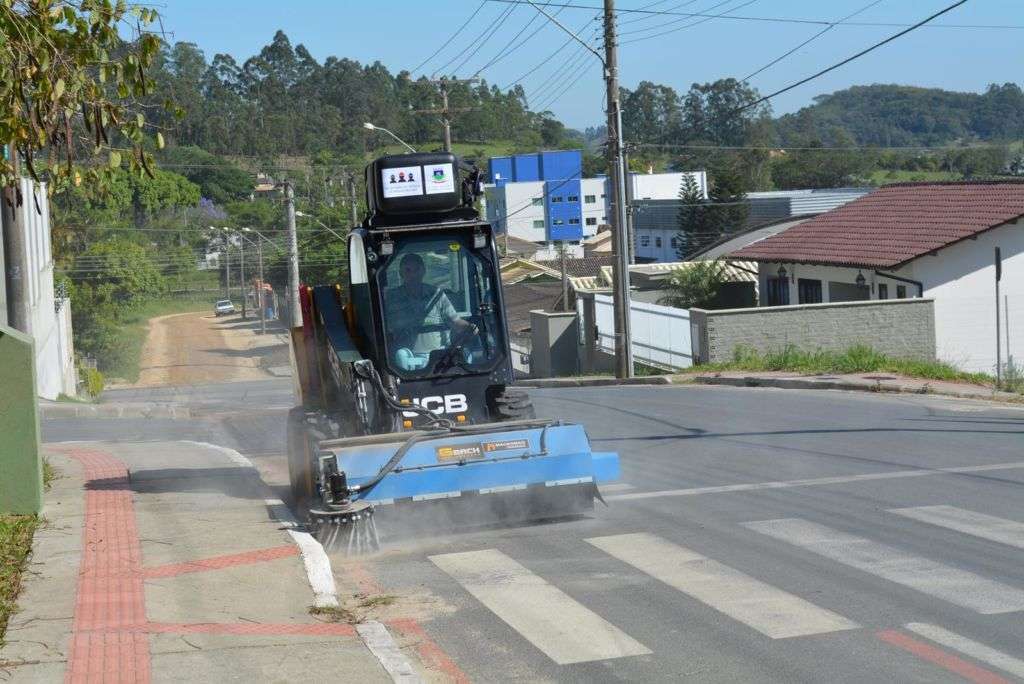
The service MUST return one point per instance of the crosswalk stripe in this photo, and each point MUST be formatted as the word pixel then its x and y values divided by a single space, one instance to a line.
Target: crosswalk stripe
pixel 956 586
pixel 969 647
pixel 547 617
pixel 771 611
pixel 1009 532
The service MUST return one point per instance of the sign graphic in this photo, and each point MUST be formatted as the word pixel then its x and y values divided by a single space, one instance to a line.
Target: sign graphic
pixel 439 178
pixel 403 181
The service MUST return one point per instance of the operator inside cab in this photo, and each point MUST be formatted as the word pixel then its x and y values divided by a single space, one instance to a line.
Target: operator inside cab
pixel 420 317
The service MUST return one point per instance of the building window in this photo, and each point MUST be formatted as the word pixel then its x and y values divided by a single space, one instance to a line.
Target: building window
pixel 589 199
pixel 604 219
pixel 538 224
pixel 657 241
pixel 901 292
pixel 555 198
pixel 572 198
pixel 602 195
pixel 574 222
pixel 591 221
pixel 537 201
pixel 883 291
pixel 809 291
pixel 674 242
pixel 778 291
pixel 557 222
pixel 645 240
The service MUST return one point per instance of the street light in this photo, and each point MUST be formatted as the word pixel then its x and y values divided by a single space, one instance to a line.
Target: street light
pixel 325 226
pixel 371 127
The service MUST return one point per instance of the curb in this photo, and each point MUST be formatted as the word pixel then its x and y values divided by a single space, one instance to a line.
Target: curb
pixel 123 410
pixel 797 383
pixel 540 383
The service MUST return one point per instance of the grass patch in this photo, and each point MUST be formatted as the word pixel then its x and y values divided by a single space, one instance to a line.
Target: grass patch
pixel 334 614
pixel 378 600
pixel 15 543
pixel 136 326
pixel 50 474
pixel 856 359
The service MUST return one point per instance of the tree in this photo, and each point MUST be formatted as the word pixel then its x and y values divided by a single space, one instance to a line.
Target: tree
pixel 693 217
pixel 69 82
pixel 694 285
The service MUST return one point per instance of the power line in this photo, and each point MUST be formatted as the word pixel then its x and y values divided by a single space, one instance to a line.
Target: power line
pixel 810 40
pixel 785 20
pixel 487 34
pixel 451 38
pixel 565 90
pixel 852 57
pixel 463 50
pixel 553 80
pixel 723 15
pixel 547 60
pixel 512 47
pixel 677 21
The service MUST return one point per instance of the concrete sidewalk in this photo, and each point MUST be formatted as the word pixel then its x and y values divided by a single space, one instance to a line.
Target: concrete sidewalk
pixel 173 562
pixel 863 382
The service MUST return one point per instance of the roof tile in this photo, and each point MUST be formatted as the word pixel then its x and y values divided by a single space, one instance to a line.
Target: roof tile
pixel 894 224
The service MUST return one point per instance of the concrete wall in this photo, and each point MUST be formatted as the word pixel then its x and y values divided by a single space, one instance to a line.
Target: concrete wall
pixel 902 328
pixel 554 344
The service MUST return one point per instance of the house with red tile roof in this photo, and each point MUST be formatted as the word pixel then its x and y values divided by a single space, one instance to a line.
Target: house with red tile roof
pixel 934 240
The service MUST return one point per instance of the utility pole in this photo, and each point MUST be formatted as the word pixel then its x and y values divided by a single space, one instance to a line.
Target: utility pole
pixel 617 176
pixel 352 198
pixel 565 277
pixel 445 111
pixel 15 264
pixel 260 290
pixel 241 266
pixel 293 258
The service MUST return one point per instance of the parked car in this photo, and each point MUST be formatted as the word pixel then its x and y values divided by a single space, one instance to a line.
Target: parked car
pixel 223 308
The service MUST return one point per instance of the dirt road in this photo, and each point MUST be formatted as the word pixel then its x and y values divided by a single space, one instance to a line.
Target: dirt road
pixel 199 348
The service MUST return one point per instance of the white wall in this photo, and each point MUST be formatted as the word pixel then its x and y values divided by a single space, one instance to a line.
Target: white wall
pixel 665 185
pixel 50 332
pixel 660 334
pixel 961 279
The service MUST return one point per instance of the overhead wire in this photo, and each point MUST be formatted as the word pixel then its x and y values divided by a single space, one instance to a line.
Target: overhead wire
pixel 463 51
pixel 810 40
pixel 547 60
pixel 497 26
pixel 450 38
pixel 512 46
pixel 723 15
pixel 851 58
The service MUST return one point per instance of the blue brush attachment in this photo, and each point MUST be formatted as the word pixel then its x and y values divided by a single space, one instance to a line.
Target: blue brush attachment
pixel 499 460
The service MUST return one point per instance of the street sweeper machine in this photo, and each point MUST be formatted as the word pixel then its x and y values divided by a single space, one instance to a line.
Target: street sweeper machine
pixel 405 375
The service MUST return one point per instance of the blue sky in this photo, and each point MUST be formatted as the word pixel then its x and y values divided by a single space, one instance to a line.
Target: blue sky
pixel 403 33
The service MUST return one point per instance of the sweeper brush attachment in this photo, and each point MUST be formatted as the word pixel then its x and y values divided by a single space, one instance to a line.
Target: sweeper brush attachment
pixel 434 481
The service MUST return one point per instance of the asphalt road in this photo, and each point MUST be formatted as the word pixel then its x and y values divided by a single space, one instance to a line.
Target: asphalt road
pixel 756 535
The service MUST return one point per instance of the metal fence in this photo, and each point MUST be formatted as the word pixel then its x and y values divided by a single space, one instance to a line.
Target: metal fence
pixel 660 334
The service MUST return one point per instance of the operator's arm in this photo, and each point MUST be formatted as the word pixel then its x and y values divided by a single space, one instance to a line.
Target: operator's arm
pixel 451 315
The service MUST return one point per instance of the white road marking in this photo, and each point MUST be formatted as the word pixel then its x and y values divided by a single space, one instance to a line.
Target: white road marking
pixel 547 617
pixel 1009 532
pixel 383 646
pixel 811 482
pixel 771 611
pixel 950 584
pixel 969 647
pixel 314 558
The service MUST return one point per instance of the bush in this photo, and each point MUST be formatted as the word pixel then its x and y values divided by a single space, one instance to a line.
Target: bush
pixel 93 380
pixel 694 285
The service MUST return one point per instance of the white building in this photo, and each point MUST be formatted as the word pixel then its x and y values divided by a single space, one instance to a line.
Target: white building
pixel 934 240
pixel 519 207
pixel 49 320
pixel 656 219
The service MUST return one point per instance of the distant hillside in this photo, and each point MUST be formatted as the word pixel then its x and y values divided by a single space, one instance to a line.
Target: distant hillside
pixel 895 115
